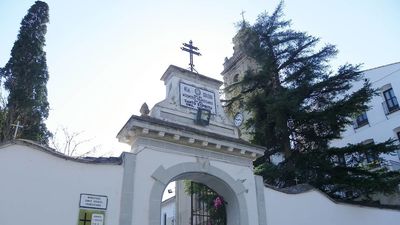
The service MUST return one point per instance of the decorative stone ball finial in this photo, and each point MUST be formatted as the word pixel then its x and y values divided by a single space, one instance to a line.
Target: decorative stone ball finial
pixel 144 110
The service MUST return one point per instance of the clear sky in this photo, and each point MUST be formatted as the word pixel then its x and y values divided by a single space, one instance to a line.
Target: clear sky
pixel 105 58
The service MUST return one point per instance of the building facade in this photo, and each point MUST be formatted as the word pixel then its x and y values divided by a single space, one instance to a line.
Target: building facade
pixel 168 211
pixel 382 120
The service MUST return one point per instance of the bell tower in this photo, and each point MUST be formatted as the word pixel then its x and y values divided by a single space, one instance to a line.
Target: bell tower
pixel 235 68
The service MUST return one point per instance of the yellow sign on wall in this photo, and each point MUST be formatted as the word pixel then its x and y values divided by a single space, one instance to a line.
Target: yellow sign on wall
pixel 91 217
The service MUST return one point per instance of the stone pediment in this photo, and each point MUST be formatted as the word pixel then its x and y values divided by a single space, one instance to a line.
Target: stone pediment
pixel 186 91
pixel 173 119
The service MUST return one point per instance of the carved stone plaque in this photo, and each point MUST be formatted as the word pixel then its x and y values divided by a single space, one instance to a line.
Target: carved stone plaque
pixel 194 97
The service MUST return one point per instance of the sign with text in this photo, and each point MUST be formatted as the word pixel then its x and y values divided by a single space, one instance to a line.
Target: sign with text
pixel 91 217
pixel 93 201
pixel 194 97
pixel 97 219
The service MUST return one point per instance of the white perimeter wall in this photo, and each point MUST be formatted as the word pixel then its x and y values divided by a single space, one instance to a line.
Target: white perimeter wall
pixel 41 189
pixel 314 208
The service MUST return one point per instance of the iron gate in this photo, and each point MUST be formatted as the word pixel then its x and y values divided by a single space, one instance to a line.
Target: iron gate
pixel 207 207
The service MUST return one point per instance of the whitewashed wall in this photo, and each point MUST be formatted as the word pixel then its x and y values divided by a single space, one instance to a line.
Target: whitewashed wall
pixel 39 188
pixel 314 208
pixel 42 189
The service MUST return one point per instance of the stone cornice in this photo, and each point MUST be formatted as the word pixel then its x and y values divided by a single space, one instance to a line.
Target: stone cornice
pixel 139 126
pixel 232 61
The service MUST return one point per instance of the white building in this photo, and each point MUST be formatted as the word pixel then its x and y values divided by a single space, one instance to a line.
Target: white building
pixel 168 211
pixel 382 120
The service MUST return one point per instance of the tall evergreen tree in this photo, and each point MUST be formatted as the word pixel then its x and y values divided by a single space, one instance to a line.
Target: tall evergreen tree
pixel 298 105
pixel 26 76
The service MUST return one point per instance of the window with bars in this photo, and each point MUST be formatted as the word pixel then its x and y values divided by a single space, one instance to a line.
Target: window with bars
pixel 361 120
pixel 390 104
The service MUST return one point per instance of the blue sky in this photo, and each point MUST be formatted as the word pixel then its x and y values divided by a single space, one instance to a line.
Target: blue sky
pixel 105 58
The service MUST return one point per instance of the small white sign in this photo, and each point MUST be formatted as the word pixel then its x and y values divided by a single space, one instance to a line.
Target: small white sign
pixel 97 219
pixel 93 201
pixel 194 97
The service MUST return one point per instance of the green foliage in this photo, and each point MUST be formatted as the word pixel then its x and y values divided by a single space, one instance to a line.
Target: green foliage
pixel 298 105
pixel 25 77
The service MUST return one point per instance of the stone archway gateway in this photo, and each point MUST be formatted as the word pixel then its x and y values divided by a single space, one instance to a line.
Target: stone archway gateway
pixel 232 191
pixel 188 136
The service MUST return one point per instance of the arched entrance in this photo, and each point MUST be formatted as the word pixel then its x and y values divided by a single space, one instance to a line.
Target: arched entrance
pixel 221 182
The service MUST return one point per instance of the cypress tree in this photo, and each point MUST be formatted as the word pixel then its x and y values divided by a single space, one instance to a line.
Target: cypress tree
pixel 26 76
pixel 298 104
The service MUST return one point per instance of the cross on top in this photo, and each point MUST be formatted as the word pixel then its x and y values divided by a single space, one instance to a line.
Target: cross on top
pixel 296 180
pixel 192 50
pixel 242 13
pixel 17 126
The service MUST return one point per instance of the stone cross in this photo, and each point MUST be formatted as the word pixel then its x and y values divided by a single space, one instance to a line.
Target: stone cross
pixel 17 126
pixel 296 180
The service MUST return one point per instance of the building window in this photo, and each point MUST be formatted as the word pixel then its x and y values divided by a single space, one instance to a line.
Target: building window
pixel 390 104
pixel 398 136
pixel 361 120
pixel 370 156
pixel 339 159
pixel 362 158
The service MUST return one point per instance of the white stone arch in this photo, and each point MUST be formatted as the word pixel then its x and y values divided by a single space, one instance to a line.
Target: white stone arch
pixel 221 182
